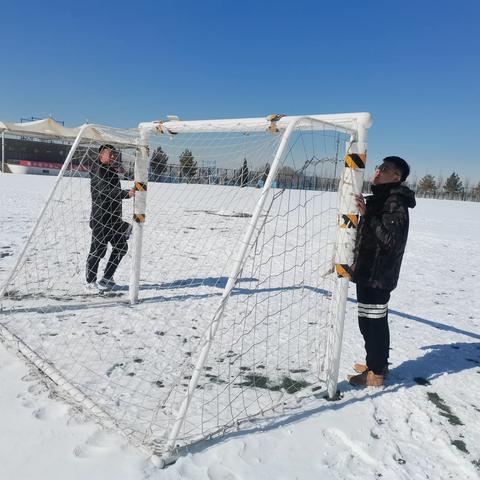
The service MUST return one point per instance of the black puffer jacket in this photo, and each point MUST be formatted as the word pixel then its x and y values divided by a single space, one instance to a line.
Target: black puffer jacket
pixel 107 196
pixel 382 236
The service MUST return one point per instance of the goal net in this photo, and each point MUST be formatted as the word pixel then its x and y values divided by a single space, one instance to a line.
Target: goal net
pixel 225 308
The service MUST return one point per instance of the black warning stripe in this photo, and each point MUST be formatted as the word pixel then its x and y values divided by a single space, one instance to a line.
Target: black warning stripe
pixel 355 160
pixel 140 186
pixel 349 220
pixel 139 217
pixel 343 270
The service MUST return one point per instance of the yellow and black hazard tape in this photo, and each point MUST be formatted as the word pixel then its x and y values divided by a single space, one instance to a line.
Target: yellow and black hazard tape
pixel 348 220
pixel 343 270
pixel 140 187
pixel 139 217
pixel 355 160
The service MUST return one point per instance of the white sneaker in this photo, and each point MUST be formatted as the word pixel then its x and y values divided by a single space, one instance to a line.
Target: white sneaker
pixel 106 284
pixel 91 287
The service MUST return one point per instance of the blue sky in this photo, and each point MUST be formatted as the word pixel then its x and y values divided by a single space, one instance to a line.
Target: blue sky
pixel 414 65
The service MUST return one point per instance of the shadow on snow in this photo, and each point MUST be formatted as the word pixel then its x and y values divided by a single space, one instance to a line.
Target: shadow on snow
pixel 210 282
pixel 438 360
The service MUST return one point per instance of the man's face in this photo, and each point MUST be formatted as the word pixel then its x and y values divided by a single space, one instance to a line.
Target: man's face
pixel 386 173
pixel 108 156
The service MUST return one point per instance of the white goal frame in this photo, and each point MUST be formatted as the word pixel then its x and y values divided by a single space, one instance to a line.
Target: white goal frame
pixel 352 180
pixel 356 125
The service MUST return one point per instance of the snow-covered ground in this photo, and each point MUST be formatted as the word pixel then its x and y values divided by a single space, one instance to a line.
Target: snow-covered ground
pixel 423 424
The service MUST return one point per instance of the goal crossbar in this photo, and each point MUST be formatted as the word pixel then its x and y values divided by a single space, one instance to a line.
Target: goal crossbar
pixel 343 122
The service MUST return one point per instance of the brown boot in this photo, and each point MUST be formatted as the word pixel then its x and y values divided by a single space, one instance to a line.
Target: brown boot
pixel 361 367
pixel 366 379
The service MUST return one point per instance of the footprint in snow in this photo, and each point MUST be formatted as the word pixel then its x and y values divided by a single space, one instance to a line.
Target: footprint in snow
pixel 219 472
pixel 37 388
pixel 28 404
pixel 98 441
pixel 52 412
pixel 102 439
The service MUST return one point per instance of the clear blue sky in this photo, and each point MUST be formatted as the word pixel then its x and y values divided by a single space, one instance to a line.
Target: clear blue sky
pixel 415 65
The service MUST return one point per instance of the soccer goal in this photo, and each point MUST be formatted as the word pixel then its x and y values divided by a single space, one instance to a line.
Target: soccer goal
pixel 228 306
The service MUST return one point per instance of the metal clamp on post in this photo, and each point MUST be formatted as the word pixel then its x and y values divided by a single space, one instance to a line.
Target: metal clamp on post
pixel 273 119
pixel 161 128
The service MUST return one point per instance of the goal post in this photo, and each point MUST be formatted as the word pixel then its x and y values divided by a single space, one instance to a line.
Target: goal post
pixel 139 209
pixel 230 300
pixel 351 184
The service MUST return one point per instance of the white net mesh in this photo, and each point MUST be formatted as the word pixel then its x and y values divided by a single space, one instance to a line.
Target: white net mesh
pixel 135 362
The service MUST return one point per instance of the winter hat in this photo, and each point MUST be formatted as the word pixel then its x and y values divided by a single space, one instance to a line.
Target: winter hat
pixel 110 147
pixel 401 164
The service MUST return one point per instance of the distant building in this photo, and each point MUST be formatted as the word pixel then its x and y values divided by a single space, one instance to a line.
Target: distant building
pixel 34 156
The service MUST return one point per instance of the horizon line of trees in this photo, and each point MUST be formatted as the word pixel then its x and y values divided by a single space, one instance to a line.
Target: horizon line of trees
pixel 453 185
pixel 428 185
pixel 189 167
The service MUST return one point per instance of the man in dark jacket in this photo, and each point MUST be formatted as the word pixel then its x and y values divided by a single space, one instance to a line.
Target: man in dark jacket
pixel 106 218
pixel 380 244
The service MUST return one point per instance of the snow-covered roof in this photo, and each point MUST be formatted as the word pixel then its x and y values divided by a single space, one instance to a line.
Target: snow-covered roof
pixel 48 127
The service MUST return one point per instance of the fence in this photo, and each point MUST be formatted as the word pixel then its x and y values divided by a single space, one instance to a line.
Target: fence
pixel 224 176
pixel 465 194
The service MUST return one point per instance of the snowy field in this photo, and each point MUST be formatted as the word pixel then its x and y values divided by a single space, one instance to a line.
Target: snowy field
pixel 423 424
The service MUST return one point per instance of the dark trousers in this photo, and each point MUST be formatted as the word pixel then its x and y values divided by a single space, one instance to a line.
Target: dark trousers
pixel 101 237
pixel 373 323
